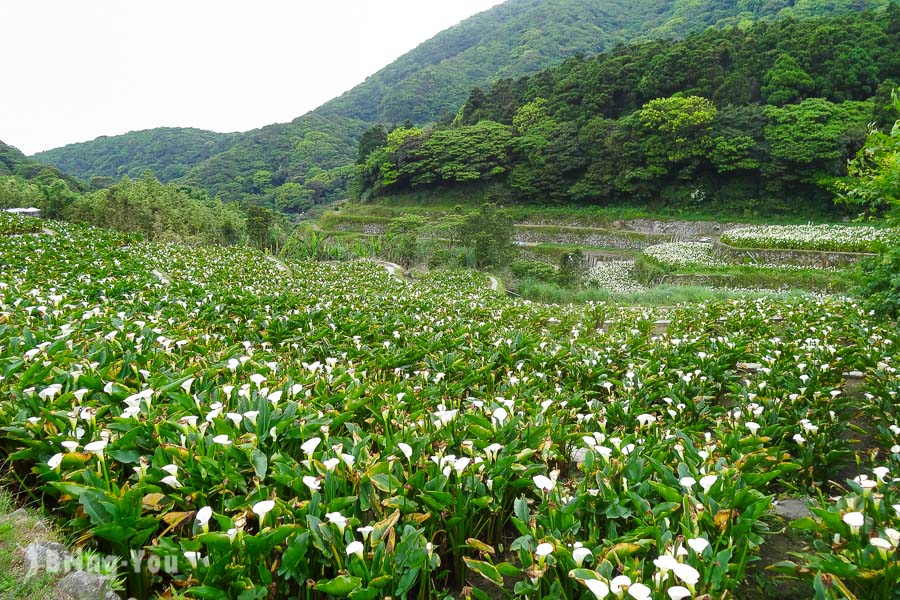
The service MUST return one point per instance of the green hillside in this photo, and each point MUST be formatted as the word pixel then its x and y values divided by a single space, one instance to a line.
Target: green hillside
pixel 167 151
pixel 292 165
pixel 524 36
pixel 751 119
pixel 14 163
pixel 279 164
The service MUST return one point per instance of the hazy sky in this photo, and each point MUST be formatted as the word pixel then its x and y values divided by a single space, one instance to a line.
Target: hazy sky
pixel 77 69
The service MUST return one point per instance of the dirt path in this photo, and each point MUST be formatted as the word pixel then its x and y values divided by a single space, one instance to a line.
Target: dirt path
pixel 278 264
pixel 393 269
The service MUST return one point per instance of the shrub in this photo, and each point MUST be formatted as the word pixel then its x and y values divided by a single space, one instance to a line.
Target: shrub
pixel 533 269
pixel 880 283
pixel 572 269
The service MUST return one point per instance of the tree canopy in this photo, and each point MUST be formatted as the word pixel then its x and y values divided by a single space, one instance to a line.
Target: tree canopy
pixel 751 118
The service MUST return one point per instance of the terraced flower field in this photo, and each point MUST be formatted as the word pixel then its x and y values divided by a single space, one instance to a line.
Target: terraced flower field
pixel 837 238
pixel 327 430
pixel 13 224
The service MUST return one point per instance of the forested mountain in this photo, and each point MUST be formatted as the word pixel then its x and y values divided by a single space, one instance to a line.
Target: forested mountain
pixel 294 164
pixel 757 118
pixel 167 151
pixel 523 36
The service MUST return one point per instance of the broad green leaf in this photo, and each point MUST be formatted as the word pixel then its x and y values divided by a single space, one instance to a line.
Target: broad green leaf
pixel 339 586
pixel 486 570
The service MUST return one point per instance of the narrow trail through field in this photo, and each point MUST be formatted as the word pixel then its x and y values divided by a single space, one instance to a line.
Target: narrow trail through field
pixel 278 264
pixel 393 269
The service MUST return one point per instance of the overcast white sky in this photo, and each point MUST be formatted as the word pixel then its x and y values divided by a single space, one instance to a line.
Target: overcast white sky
pixel 74 70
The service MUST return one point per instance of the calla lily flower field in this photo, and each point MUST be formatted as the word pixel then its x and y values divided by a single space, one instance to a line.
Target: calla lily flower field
pixel 325 430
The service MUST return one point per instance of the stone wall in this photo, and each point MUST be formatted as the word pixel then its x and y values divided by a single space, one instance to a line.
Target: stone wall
pixel 586 237
pixel 673 228
pixel 682 229
pixel 366 228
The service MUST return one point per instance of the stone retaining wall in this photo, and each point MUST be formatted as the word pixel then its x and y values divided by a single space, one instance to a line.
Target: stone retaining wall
pixel 677 228
pixel 587 237
pixel 365 228
pixel 674 228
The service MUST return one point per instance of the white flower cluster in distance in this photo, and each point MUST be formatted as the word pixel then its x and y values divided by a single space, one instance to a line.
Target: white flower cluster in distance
pixel 701 254
pixel 838 238
pixel 615 276
pixel 684 254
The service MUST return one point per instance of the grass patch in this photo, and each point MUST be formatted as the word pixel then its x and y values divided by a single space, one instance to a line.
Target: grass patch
pixel 15 535
pixel 332 219
pixel 651 272
pixel 472 196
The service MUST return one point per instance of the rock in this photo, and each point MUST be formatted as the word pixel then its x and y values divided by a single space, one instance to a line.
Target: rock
pixel 46 556
pixel 791 509
pixel 661 326
pixel 749 367
pixel 578 455
pixel 81 585
pixel 854 375
pixel 20 514
pixel 40 527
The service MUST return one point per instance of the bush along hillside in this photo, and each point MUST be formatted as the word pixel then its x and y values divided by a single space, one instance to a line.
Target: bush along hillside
pixel 753 119
pixel 161 212
pixel 290 166
pixel 27 183
pixel 158 211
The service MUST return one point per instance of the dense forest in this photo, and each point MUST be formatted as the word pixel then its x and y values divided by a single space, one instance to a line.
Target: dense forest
pixel 169 152
pixel 520 37
pixel 290 167
pixel 759 117
pixel 293 165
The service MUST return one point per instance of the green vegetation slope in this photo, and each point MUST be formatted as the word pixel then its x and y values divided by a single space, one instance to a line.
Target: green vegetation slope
pixel 280 164
pixel 24 182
